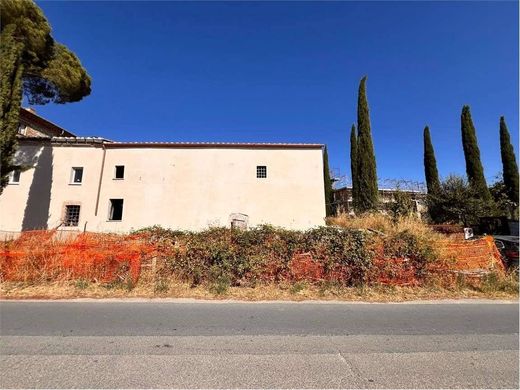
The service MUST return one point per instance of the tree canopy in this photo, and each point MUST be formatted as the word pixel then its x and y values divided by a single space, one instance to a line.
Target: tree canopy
pixel 354 166
pixel 509 166
pixel 327 183
pixel 35 65
pixel 474 168
pixel 457 201
pixel 368 194
pixel 430 163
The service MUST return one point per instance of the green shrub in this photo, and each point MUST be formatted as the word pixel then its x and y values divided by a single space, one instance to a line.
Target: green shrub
pixel 219 280
pixel 335 247
pixel 222 257
pixel 493 282
pixel 419 250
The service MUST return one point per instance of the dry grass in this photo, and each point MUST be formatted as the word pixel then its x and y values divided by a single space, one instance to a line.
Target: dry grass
pixel 68 290
pixel 43 255
pixel 383 223
pixel 147 287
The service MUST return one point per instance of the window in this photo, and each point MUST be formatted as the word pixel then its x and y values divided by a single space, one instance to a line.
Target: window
pixel 71 215
pixel 76 176
pixel 116 210
pixel 14 176
pixel 22 129
pixel 261 171
pixel 120 172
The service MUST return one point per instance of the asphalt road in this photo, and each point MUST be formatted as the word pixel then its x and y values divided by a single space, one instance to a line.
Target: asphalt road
pixel 162 344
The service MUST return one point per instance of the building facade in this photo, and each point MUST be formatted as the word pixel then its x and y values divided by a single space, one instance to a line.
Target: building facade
pixel 94 184
pixel 342 200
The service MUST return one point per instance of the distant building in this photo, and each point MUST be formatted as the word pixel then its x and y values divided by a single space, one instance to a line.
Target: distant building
pixel 342 199
pixel 95 184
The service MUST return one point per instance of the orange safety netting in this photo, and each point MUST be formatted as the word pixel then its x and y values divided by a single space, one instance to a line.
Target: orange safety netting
pixel 473 254
pixel 41 255
pixel 472 257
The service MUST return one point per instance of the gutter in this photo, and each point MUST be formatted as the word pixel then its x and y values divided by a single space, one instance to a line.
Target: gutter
pixel 100 179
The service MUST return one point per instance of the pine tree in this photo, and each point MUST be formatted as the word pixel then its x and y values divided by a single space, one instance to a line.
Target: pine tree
pixel 430 164
pixel 510 168
pixel 31 63
pixel 366 168
pixel 474 168
pixel 353 166
pixel 327 183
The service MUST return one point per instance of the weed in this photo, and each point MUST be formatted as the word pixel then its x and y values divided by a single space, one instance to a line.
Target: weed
pixel 461 282
pixel 119 284
pixel 333 287
pixel 81 284
pixel 161 285
pixel 492 283
pixel 298 287
pixel 220 285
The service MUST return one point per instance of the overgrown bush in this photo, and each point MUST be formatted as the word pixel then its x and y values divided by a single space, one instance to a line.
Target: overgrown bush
pixel 373 249
pixel 343 253
pixel 457 201
pixel 402 205
pixel 405 244
pixel 220 256
pixel 493 282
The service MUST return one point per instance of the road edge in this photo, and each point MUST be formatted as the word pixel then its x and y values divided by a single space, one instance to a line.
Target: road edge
pixel 238 301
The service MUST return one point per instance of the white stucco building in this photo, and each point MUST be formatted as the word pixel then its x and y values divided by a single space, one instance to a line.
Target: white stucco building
pixel 95 184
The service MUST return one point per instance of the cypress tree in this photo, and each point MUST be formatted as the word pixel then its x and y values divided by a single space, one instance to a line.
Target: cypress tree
pixel 366 167
pixel 353 166
pixel 430 164
pixel 327 183
pixel 510 168
pixel 10 100
pixel 474 168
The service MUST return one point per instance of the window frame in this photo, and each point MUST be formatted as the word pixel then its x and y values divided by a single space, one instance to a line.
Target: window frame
pixel 66 214
pixel 73 175
pixel 115 172
pixel 261 171
pixel 10 180
pixel 111 209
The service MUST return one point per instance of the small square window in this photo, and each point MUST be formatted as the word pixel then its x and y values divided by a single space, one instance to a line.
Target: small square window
pixel 115 213
pixel 71 215
pixel 261 171
pixel 76 176
pixel 120 172
pixel 14 176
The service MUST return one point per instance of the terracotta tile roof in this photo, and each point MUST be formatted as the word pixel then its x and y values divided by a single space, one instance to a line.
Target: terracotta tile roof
pixel 114 144
pixel 270 145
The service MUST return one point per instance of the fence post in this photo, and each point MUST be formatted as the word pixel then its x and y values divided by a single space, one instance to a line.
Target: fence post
pixel 154 267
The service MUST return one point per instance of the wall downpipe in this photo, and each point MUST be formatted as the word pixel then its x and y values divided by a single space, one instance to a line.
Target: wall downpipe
pixel 100 178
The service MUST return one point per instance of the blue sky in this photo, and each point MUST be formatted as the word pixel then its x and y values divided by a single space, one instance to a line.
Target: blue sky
pixel 289 72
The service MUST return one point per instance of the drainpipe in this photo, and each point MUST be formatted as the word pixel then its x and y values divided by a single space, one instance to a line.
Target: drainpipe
pixel 100 178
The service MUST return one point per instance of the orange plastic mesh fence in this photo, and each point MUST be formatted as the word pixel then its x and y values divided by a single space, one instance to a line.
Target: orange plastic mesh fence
pixel 40 255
